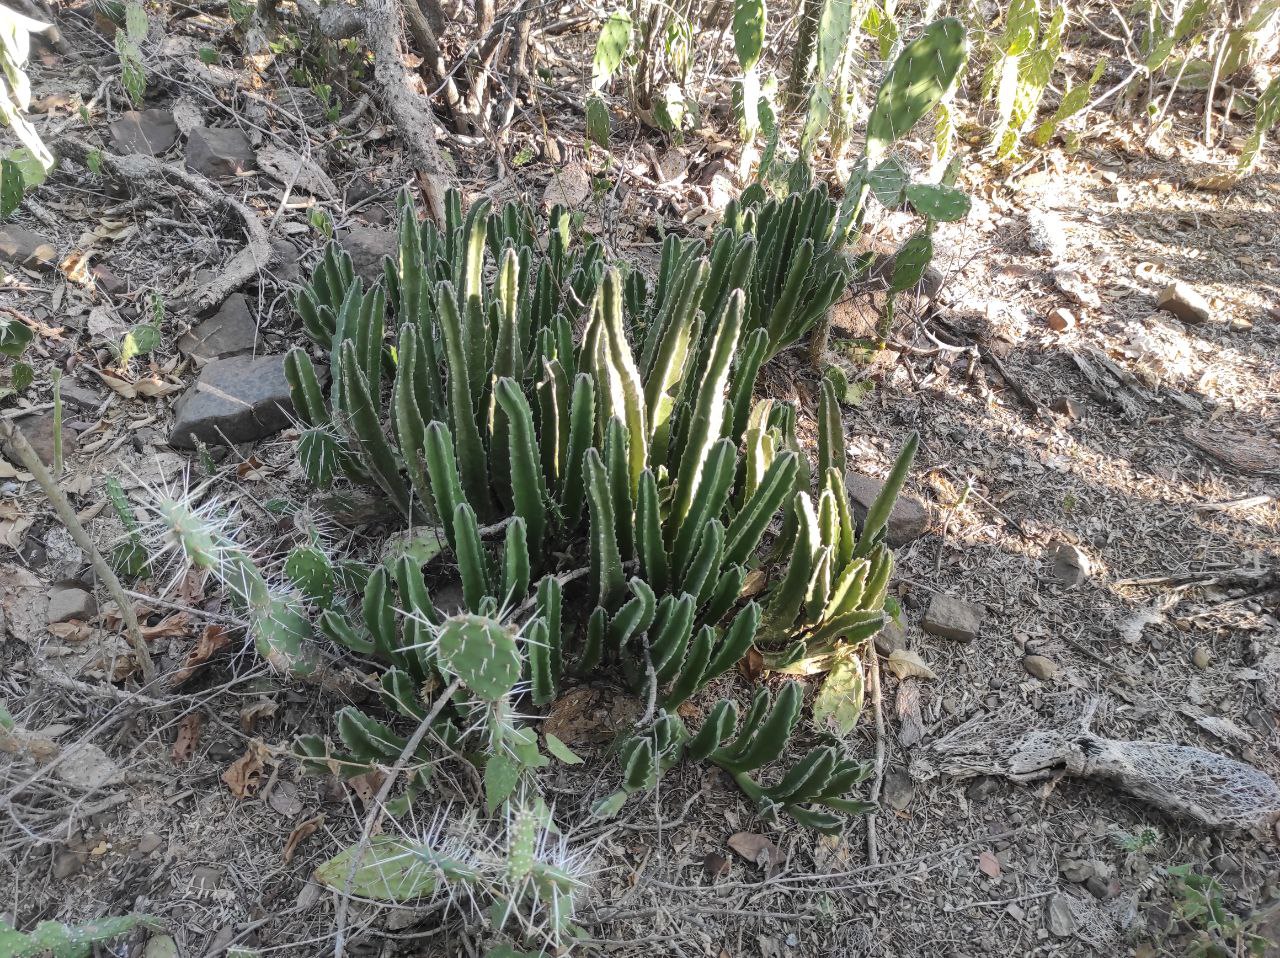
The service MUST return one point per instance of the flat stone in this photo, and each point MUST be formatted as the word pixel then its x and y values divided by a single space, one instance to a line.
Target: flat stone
pixel 1200 657
pixel 81 397
pixel 1185 303
pixel 1077 871
pixel 286 262
pixel 71 603
pixel 908 519
pixel 230 331
pixel 1040 667
pixel 150 132
pixel 234 400
pixel 952 618
pixel 218 152
pixel 367 246
pixel 1058 916
pixel 1070 565
pixel 23 247
pixel 39 432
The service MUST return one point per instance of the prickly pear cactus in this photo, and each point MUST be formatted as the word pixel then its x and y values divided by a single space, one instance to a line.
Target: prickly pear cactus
pixel 482 653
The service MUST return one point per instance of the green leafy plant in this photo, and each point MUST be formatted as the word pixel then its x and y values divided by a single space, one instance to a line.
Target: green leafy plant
pixel 1017 77
pixel 22 168
pixel 131 33
pixel 1266 116
pixel 1217 932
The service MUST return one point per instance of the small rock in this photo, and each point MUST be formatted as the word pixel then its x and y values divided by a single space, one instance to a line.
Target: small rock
pixel 1077 871
pixel 150 132
pixel 148 843
pixel 237 399
pixel 81 397
pixel 892 638
pixel 1098 888
pixel 367 247
pixel 1058 916
pixel 981 789
pixel 286 262
pixel 86 766
pixel 899 791
pixel 1070 565
pixel 107 281
pixel 1041 667
pixel 71 603
pixel 1200 657
pixel 1047 234
pixel 205 879
pixel 1066 406
pixel 952 618
pixel 1185 303
pixel 230 331
pixel 908 519
pixel 1060 320
pixel 39 432
pixel 22 247
pixel 218 152
pixel 66 863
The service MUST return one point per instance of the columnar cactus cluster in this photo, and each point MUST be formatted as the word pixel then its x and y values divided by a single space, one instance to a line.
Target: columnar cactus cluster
pixel 588 447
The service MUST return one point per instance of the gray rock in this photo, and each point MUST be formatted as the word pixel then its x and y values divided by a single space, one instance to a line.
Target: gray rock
pixel 952 618
pixel 1077 871
pixel 1070 564
pixel 66 863
pixel 150 132
pixel 237 399
pixel 218 152
pixel 22 247
pixel 1058 916
pixel 230 331
pixel 355 507
pixel 367 246
pixel 899 791
pixel 70 603
pixel 1200 657
pixel 286 262
pixel 908 519
pixel 1098 888
pixel 981 789
pixel 110 282
pixel 1185 303
pixel 1047 234
pixel 39 432
pixel 892 638
pixel 1040 667
pixel 81 397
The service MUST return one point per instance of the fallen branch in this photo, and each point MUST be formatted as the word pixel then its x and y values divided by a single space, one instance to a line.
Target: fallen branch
pixel 146 172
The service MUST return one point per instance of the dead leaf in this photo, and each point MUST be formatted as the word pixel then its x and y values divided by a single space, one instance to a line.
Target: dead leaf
pixel 989 864
pixel 12 531
pixel 755 848
pixel 715 865
pixel 366 786
pixel 751 665
pixel 75 267
pixel 188 738
pixel 906 664
pixel 212 639
pixel 72 631
pixel 253 712
pixel 300 834
pixel 168 627
pixel 249 469
pixel 753 584
pixel 244 775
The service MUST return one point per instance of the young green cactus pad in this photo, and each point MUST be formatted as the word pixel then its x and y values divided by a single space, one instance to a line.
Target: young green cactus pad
pixel 482 653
